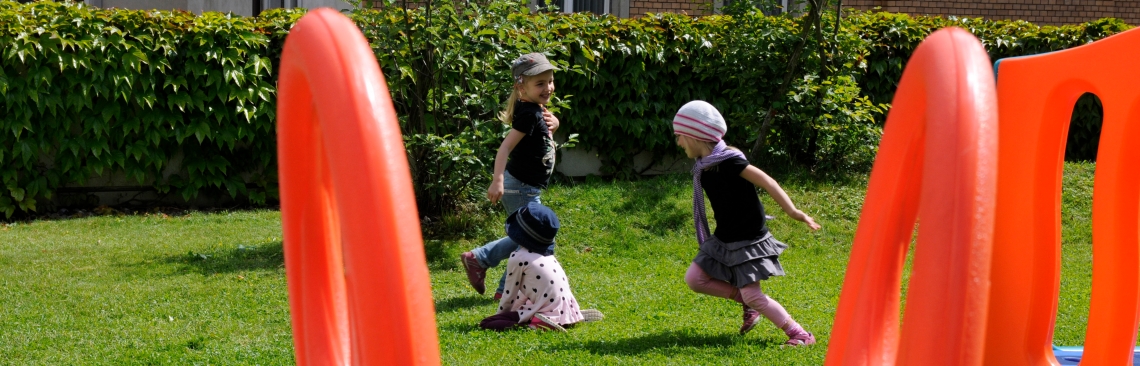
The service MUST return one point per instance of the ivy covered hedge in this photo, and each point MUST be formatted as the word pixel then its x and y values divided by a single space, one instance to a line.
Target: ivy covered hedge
pixel 87 92
pixel 185 103
pixel 892 37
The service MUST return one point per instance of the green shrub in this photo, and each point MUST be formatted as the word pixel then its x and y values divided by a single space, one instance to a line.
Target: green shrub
pixel 891 38
pixel 1084 129
pixel 88 92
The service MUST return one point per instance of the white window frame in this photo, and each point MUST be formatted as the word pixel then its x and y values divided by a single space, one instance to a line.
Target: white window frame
pixel 568 7
pixel 717 4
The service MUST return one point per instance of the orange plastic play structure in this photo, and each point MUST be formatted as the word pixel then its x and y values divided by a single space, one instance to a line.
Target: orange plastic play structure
pixel 985 278
pixel 984 288
pixel 1036 95
pixel 935 162
pixel 359 291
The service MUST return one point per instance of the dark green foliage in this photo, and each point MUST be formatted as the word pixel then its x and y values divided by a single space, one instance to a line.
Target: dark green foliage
pixel 88 92
pixel 1084 129
pixel 890 38
pixel 185 103
pixel 893 37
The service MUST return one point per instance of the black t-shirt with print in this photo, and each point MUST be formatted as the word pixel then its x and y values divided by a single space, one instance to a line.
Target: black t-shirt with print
pixel 737 209
pixel 532 160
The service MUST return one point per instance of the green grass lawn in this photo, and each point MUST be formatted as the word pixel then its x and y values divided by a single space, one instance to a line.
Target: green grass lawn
pixel 210 288
pixel 154 289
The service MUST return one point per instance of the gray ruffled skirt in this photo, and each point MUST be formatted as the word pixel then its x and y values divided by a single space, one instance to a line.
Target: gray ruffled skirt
pixel 741 263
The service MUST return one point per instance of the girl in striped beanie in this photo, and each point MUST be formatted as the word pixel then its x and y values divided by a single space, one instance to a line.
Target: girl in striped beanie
pixel 732 261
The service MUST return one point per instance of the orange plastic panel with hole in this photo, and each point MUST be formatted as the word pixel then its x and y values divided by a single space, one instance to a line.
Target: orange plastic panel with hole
pixel 1037 95
pixel 359 291
pixel 935 164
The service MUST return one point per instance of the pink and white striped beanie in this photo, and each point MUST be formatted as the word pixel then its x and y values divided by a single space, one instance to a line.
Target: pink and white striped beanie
pixel 700 120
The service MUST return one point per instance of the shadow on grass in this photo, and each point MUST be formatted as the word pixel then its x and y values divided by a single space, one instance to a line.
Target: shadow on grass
pixel 463 302
pixel 657 202
pixel 266 256
pixel 438 257
pixel 466 329
pixel 664 343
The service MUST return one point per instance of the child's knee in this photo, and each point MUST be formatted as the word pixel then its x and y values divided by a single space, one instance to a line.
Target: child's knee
pixel 696 279
pixel 754 297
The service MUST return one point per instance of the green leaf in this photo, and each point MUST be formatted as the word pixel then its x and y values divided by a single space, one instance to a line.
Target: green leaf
pixel 181 100
pixel 266 94
pixel 28 204
pixel 234 187
pixel 261 63
pixel 110 110
pixel 201 131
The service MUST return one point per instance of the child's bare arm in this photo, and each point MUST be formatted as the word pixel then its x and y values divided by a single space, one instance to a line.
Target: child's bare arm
pixel 762 180
pixel 495 191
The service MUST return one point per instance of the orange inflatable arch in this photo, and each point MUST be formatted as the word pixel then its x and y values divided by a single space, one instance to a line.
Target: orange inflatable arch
pixel 359 291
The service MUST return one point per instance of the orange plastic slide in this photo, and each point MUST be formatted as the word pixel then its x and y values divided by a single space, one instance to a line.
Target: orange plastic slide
pixel 359 291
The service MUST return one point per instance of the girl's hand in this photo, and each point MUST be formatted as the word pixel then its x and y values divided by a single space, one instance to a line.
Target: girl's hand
pixel 801 216
pixel 495 191
pixel 551 121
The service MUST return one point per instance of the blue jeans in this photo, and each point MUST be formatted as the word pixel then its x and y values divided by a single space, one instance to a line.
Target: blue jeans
pixel 516 194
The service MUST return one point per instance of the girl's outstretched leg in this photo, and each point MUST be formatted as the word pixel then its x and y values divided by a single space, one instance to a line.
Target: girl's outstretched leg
pixel 774 312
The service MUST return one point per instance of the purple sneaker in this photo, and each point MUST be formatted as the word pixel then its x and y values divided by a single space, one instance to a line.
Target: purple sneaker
pixel 475 272
pixel 750 317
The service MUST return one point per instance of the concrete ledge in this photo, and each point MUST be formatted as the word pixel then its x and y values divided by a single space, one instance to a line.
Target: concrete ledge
pixel 579 162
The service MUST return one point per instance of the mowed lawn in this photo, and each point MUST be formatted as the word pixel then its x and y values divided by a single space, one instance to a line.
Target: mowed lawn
pixel 209 288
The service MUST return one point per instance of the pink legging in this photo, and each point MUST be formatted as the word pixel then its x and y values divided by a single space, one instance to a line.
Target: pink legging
pixel 750 295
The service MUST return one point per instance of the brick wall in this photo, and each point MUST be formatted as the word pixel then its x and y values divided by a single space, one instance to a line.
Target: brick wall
pixel 1042 12
pixel 638 8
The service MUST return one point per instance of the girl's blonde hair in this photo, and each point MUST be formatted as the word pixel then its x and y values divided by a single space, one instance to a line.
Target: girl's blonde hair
pixel 508 114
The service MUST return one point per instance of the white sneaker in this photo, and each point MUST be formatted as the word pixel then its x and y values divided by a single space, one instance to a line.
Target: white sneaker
pixel 592 315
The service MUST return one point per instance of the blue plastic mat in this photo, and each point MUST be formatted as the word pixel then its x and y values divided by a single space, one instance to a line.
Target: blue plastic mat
pixel 1072 355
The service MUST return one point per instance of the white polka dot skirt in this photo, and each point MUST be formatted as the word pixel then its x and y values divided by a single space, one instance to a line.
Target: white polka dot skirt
pixel 538 284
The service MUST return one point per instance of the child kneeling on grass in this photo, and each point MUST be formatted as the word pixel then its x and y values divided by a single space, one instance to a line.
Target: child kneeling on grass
pixel 731 262
pixel 537 292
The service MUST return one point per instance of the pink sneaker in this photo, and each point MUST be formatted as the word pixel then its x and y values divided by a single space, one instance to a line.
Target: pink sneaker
pixel 750 317
pixel 804 338
pixel 542 322
pixel 475 271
